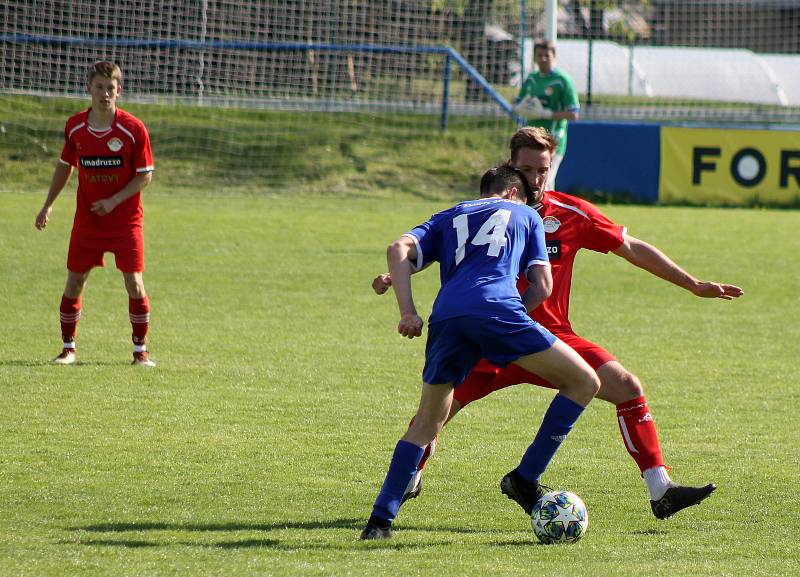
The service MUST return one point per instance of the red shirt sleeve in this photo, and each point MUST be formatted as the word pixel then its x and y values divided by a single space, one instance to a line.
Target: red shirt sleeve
pixel 68 152
pixel 602 234
pixel 142 154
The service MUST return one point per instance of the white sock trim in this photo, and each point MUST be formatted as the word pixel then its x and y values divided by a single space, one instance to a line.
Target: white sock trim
pixel 69 345
pixel 658 481
pixel 139 348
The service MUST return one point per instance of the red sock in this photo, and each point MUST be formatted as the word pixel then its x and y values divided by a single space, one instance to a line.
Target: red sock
pixel 429 450
pixel 639 433
pixel 70 314
pixel 139 310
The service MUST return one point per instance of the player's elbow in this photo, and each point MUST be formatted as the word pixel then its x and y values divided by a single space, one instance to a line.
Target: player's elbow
pixel 394 248
pixel 395 252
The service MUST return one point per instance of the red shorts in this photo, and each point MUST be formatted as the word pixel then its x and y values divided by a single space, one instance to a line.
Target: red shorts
pixel 86 250
pixel 486 378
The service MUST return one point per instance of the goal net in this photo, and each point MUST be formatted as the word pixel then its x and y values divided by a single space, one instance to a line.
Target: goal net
pixel 306 89
pixel 287 90
pixel 709 61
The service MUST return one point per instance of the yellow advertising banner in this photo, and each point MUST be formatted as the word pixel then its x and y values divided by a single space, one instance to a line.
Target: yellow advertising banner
pixel 729 167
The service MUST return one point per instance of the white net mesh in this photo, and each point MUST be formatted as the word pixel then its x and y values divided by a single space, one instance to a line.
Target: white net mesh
pixel 246 81
pixel 698 60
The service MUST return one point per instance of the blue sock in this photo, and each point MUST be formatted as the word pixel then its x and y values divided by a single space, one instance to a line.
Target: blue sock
pixel 404 464
pixel 557 423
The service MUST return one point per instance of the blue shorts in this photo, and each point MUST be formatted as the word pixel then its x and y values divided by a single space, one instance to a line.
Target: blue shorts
pixel 455 345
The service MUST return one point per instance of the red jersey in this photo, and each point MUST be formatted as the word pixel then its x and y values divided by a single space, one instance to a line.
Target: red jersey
pixel 107 160
pixel 570 224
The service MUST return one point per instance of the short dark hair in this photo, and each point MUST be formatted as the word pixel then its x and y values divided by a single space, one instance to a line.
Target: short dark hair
pixel 500 178
pixel 545 45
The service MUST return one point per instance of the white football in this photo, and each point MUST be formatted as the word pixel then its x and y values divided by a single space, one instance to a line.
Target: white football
pixel 559 517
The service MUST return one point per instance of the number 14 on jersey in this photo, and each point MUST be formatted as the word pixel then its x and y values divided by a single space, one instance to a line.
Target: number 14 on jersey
pixel 493 233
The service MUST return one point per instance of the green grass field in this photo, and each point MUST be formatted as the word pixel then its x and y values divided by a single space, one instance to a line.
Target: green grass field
pixel 258 444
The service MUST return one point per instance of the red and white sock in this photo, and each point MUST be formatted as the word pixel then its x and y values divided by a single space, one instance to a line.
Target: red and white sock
pixel 639 433
pixel 139 310
pixel 70 312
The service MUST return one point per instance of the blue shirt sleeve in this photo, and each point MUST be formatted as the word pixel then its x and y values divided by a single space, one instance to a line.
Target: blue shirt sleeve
pixel 424 237
pixel 537 247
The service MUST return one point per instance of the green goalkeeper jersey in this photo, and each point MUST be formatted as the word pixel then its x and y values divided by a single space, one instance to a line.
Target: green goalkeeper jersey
pixel 556 92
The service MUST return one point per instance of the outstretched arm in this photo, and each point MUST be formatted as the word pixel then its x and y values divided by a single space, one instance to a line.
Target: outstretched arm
pixel 400 254
pixel 649 258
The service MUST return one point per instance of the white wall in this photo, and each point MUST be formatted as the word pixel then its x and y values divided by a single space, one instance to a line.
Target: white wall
pixel 725 75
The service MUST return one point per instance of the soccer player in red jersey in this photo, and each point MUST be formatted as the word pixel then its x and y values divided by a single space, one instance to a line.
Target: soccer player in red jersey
pixel 571 224
pixel 111 149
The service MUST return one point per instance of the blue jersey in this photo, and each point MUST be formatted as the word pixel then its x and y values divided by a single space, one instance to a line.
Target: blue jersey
pixel 481 247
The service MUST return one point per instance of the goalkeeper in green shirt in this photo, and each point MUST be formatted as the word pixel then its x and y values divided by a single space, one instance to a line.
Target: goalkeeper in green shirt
pixel 548 99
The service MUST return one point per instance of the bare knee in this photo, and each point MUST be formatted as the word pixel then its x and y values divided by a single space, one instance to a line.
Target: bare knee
pixel 630 385
pixel 590 384
pixel 134 284
pixel 582 388
pixel 618 384
pixel 76 282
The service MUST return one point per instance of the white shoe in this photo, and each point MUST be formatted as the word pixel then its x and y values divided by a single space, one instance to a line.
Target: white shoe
pixel 67 357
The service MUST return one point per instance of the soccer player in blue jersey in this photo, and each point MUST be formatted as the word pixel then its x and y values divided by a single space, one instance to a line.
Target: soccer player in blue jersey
pixel 482 247
pixel 571 225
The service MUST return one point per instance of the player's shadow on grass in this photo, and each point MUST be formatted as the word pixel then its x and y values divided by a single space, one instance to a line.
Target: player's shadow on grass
pixel 26 363
pixel 250 543
pixel 293 546
pixel 348 523
pixel 354 525
pixel 48 363
pixel 246 544
pixel 148 526
pixel 516 542
pixel 126 543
